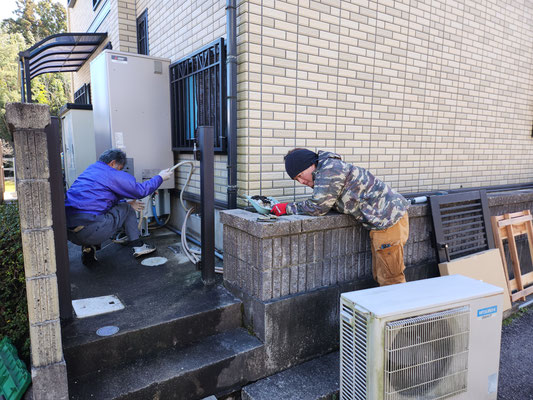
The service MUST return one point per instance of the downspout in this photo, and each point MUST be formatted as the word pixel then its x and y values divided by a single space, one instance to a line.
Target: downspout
pixel 231 105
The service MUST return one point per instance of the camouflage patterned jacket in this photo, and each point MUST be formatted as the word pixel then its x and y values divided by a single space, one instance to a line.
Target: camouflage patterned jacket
pixel 349 189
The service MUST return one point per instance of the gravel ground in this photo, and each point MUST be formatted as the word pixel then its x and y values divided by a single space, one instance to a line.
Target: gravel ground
pixel 516 358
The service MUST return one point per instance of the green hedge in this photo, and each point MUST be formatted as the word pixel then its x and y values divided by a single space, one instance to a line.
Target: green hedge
pixel 13 306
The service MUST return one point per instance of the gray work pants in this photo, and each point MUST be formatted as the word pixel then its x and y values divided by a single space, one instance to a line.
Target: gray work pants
pixel 98 228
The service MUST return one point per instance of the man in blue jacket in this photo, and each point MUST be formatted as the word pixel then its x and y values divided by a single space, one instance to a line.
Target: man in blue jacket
pixel 95 208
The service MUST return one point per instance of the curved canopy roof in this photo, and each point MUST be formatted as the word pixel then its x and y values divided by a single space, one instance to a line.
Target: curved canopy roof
pixel 63 52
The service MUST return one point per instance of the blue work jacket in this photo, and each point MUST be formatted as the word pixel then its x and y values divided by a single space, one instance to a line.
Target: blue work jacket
pixel 100 187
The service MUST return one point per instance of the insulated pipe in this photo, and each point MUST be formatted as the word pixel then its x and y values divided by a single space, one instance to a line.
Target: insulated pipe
pixel 192 240
pixel 231 99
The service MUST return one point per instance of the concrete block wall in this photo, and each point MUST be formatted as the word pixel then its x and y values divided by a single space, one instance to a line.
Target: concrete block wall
pixel 298 254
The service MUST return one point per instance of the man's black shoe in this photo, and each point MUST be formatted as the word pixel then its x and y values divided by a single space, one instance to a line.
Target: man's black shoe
pixel 88 255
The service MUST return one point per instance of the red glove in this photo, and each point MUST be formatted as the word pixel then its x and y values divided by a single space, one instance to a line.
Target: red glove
pixel 279 209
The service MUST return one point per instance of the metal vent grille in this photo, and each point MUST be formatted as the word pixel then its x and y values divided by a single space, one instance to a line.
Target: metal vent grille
pixel 462 224
pixel 426 357
pixel 353 354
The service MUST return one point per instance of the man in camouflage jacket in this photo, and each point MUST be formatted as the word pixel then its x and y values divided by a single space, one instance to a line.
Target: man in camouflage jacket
pixel 353 190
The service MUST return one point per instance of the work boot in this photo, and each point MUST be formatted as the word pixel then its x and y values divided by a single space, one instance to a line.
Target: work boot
pixel 88 255
pixel 143 249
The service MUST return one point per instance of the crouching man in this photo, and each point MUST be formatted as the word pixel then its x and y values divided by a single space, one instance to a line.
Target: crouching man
pixel 352 190
pixel 95 206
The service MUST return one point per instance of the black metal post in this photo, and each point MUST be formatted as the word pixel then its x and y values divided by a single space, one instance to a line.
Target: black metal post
pixel 59 220
pixel 22 81
pixel 27 79
pixel 207 190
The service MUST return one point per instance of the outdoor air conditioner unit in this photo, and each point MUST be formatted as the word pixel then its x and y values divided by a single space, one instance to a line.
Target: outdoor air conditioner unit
pixel 430 339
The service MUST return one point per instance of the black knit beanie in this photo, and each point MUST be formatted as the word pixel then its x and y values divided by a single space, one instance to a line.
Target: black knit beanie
pixel 299 160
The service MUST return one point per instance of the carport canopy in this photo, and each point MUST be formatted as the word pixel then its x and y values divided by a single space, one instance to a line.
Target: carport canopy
pixel 62 52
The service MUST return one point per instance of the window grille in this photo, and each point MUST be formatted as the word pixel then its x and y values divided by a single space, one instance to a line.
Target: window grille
pixel 142 33
pixel 198 96
pixel 83 94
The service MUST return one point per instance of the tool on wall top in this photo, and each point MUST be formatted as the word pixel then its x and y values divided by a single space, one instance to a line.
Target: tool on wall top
pixel 262 204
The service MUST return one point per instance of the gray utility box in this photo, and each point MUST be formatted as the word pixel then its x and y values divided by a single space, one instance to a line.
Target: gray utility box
pixel 131 111
pixel 78 139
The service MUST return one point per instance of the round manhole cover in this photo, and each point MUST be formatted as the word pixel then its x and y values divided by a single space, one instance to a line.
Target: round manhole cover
pixel 107 330
pixel 153 261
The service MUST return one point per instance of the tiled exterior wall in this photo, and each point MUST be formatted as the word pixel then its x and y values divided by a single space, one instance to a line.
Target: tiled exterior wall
pixel 120 25
pixel 426 94
pixel 177 29
pixel 80 18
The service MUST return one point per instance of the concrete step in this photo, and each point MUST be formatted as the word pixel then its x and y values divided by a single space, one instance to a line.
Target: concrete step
pixel 216 364
pixel 146 330
pixel 317 379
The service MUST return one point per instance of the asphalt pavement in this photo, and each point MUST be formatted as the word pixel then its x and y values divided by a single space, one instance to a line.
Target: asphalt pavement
pixel 516 357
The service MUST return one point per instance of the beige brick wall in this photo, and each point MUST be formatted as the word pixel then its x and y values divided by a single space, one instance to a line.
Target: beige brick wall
pixel 427 95
pixel 80 18
pixel 120 25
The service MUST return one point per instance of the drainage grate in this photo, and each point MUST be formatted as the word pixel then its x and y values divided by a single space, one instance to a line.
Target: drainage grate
pixel 462 224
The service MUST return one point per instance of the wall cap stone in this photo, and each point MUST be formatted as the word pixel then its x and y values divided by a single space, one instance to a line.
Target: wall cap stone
pixel 285 225
pixel 27 116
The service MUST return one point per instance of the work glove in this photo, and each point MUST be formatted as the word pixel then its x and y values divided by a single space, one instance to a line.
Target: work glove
pixel 279 209
pixel 166 174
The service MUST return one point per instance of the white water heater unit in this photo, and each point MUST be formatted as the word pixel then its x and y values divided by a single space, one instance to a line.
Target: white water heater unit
pixel 131 111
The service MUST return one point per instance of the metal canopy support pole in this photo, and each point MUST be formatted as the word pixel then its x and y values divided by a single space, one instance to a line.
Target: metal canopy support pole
pixel 27 79
pixel 22 80
pixel 207 189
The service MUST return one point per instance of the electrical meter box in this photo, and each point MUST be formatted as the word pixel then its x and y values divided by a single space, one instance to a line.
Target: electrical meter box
pixel 131 111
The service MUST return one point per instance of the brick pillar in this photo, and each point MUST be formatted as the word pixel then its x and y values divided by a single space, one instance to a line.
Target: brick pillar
pixel 27 122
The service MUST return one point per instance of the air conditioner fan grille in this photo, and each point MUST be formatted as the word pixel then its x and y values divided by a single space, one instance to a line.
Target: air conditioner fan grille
pixel 426 357
pixel 353 354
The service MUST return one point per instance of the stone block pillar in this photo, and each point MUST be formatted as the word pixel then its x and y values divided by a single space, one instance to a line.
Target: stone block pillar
pixel 27 123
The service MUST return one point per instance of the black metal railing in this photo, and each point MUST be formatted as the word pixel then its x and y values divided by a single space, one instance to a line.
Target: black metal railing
pixel 198 96
pixel 83 94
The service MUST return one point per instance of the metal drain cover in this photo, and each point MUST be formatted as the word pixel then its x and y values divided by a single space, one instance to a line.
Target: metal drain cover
pixel 107 330
pixel 153 261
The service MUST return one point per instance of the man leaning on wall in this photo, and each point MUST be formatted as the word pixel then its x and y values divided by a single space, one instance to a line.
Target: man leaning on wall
pixel 353 190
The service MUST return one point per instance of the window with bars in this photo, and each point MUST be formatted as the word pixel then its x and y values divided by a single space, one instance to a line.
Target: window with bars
pixel 83 94
pixel 142 33
pixel 198 96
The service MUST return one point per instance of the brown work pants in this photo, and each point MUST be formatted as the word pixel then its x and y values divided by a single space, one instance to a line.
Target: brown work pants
pixel 387 252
